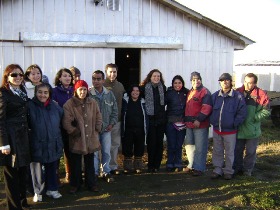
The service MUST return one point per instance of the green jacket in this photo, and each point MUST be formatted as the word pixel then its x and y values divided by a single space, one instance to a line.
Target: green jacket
pixel 257 103
pixel 108 107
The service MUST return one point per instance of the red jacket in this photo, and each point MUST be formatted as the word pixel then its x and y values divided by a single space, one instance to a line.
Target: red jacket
pixel 198 107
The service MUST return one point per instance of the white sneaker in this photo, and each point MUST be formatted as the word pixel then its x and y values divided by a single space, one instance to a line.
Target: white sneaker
pixel 37 198
pixel 53 194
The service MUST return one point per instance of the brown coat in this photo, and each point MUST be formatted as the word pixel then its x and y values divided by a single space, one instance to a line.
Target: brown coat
pixel 83 121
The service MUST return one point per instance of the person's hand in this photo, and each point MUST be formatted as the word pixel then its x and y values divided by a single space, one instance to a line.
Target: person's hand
pixel 109 128
pixel 6 151
pixel 196 124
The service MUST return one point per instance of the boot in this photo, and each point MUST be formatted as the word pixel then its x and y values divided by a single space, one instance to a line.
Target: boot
pixel 138 165
pixel 127 165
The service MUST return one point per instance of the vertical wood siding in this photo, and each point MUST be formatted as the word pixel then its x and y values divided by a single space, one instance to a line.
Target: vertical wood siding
pixel 204 49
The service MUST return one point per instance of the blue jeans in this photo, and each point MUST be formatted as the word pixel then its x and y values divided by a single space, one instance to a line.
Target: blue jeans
pixel 105 141
pixel 197 147
pixel 175 141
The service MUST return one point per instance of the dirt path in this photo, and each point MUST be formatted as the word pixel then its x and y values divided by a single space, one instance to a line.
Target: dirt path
pixel 145 191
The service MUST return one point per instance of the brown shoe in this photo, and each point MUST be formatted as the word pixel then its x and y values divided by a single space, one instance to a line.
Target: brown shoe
pixel 215 175
pixel 227 176
pixel 187 170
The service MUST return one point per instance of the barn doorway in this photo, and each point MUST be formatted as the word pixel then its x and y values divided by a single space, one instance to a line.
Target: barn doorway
pixel 128 62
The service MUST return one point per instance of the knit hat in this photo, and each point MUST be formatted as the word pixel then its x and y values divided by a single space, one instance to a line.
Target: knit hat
pixel 195 74
pixel 225 76
pixel 80 83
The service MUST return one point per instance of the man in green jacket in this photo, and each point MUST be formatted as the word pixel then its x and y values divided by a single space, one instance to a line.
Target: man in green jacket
pixel 249 131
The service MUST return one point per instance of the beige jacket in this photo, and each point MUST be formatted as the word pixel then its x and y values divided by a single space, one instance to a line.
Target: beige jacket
pixel 83 121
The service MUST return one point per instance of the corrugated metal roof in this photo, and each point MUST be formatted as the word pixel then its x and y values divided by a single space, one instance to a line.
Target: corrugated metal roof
pixel 208 22
pixel 260 63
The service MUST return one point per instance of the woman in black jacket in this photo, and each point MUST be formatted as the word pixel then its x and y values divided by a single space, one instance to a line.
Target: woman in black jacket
pixel 14 143
pixel 154 94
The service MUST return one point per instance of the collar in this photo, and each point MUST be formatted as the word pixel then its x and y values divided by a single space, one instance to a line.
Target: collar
pixel 230 93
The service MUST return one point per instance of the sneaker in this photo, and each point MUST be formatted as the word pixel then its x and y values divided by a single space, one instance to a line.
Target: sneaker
pixel 227 176
pixel 53 194
pixel 37 198
pixel 187 170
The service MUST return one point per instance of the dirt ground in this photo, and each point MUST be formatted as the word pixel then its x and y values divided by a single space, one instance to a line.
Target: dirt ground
pixel 162 190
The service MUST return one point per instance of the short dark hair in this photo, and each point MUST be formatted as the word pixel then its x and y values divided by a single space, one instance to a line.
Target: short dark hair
pixel 99 72
pixel 47 85
pixel 254 76
pixel 111 65
pixel 74 70
pixel 130 89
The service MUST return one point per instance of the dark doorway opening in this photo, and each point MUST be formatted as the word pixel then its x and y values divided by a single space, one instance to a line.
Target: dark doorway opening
pixel 128 62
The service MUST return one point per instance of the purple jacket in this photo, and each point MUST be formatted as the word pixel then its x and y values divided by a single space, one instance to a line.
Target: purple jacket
pixel 61 94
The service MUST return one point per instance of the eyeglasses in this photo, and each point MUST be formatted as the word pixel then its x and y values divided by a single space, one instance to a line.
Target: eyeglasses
pixel 16 74
pixel 98 79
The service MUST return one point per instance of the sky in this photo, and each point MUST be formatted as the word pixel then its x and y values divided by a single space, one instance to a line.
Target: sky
pixel 258 20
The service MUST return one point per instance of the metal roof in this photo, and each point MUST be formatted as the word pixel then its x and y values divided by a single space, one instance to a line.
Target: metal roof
pixel 207 21
pixel 260 63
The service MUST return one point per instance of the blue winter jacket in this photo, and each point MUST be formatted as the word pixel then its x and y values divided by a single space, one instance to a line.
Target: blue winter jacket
pixel 228 111
pixel 45 134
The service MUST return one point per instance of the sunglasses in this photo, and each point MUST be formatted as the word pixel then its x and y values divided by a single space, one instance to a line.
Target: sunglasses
pixel 16 74
pixel 98 79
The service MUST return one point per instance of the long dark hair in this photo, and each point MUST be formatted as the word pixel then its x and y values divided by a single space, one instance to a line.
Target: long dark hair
pixel 179 78
pixel 58 75
pixel 28 71
pixel 6 74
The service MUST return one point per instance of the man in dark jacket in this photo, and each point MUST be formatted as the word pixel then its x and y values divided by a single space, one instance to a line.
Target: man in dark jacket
pixel 229 111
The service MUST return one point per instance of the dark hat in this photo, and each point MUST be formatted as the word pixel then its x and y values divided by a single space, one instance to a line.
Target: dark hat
pixel 195 74
pixel 225 76
pixel 80 83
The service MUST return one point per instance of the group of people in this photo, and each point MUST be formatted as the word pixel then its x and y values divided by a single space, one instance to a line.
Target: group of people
pixel 38 124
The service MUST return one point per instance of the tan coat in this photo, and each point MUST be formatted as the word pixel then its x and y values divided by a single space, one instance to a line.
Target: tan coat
pixel 83 121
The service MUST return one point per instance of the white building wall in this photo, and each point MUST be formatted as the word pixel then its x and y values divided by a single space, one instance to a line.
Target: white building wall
pixel 204 50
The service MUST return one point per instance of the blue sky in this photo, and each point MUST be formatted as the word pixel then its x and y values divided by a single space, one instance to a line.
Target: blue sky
pixel 258 20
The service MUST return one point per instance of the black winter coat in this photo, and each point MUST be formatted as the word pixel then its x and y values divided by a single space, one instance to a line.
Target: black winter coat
pixel 13 129
pixel 45 131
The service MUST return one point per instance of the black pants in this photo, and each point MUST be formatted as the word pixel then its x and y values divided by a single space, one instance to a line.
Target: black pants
pixel 15 186
pixel 76 170
pixel 133 143
pixel 155 145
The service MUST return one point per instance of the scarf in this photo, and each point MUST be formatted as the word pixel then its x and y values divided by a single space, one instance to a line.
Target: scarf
pixel 149 96
pixel 19 92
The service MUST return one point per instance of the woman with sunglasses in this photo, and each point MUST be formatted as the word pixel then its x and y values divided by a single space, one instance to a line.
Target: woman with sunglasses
pixel 14 143
pixel 62 92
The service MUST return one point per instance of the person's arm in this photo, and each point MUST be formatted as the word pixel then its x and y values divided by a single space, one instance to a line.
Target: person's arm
pixel 241 112
pixel 262 111
pixel 4 142
pixel 206 108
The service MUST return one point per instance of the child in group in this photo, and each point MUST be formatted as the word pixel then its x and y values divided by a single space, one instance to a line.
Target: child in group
pixel 46 144
pixel 134 122
pixel 83 121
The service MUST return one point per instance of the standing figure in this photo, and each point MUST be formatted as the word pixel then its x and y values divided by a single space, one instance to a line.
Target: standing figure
pixel 45 142
pixel 32 77
pixel 176 96
pixel 62 92
pixel 111 83
pixel 198 110
pixel 154 93
pixel 134 130
pixel 14 142
pixel 250 130
pixel 229 111
pixel 109 110
pixel 83 121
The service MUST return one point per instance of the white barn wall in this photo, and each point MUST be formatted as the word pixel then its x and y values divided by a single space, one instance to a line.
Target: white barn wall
pixel 204 49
